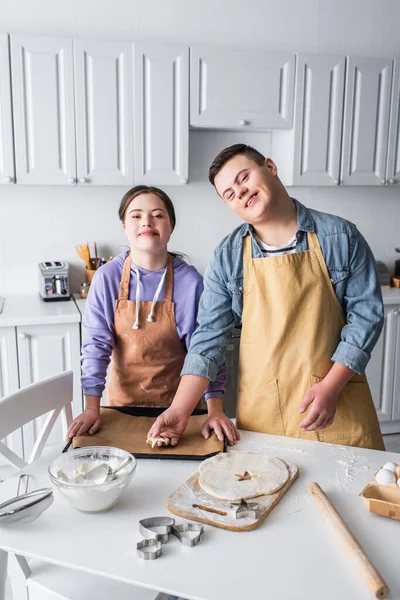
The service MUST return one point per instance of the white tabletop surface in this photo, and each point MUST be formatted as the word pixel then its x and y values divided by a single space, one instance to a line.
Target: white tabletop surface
pixel 293 554
pixel 31 309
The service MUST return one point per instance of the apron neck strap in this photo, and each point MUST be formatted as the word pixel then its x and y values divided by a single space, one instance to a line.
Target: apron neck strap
pixel 125 279
pixel 313 242
pixel 169 279
pixel 247 249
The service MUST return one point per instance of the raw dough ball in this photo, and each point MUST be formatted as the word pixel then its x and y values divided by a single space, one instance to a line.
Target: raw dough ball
pixel 391 466
pixel 385 477
pixel 236 475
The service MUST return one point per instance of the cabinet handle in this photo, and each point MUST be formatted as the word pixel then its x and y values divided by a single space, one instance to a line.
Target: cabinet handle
pixel 243 123
pixel 392 181
pixel 71 179
pixel 395 312
pixel 22 336
pixel 82 179
pixel 382 181
pixel 7 179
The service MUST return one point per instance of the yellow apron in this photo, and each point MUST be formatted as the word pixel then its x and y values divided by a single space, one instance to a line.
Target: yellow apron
pixel 292 321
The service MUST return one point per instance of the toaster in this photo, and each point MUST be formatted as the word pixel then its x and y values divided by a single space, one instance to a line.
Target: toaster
pixel 54 280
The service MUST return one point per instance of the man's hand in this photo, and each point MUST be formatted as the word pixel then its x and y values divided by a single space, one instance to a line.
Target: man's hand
pixel 169 425
pixel 222 425
pixel 88 421
pixel 323 400
pixel 219 422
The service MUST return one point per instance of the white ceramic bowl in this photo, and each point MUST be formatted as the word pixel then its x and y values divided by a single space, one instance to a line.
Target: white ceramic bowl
pixel 92 497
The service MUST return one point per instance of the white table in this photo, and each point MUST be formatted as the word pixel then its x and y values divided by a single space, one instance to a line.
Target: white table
pixel 293 554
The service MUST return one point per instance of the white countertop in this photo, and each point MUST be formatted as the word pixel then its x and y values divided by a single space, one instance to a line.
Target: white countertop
pixel 30 309
pixel 391 295
pixel 293 554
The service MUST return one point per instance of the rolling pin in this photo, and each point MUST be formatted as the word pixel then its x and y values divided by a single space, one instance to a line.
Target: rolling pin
pixel 349 542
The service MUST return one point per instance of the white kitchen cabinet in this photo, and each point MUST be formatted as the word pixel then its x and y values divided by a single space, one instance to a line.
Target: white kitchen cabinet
pixel 383 370
pixel 393 159
pixel 366 121
pixel 161 121
pixel 7 172
pixel 44 113
pixel 43 351
pixel 249 89
pixel 9 379
pixel 104 108
pixel 310 153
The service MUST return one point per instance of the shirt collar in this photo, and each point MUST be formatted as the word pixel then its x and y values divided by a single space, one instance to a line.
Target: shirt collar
pixel 305 221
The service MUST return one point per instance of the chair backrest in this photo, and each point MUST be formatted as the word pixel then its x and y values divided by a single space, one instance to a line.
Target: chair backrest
pixel 53 396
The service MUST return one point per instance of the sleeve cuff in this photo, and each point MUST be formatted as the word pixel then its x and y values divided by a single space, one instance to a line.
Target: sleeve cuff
pixel 195 364
pixel 351 357
pixel 93 391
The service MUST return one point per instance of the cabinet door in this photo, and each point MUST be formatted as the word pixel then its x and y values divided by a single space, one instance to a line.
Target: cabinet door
pixel 104 107
pixel 161 114
pixel 380 369
pixel 7 174
pixel 43 102
pixel 393 161
pixel 241 89
pixel 46 350
pixel 318 119
pixel 396 370
pixel 366 120
pixel 9 382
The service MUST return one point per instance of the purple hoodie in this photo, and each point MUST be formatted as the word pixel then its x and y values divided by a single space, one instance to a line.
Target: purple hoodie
pixel 98 328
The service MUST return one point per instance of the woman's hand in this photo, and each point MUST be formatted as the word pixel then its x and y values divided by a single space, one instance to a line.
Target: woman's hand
pixel 88 421
pixel 169 425
pixel 220 423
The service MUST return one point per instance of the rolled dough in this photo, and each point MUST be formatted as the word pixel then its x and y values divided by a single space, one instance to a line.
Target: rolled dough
pixel 223 475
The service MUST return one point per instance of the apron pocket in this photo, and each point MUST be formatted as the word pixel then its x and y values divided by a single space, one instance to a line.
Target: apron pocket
pixel 260 410
pixel 355 414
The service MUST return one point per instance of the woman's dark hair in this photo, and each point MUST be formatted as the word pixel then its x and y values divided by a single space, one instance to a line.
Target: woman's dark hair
pixel 222 158
pixel 147 189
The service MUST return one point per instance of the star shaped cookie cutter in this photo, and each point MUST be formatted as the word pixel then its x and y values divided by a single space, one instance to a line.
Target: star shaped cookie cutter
pixel 243 509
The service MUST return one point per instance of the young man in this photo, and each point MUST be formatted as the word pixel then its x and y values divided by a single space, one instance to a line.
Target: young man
pixel 303 286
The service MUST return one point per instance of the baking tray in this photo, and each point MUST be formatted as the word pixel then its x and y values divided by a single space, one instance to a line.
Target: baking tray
pixel 149 411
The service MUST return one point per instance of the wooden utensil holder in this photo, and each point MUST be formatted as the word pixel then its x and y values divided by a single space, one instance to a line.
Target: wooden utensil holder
pixel 89 274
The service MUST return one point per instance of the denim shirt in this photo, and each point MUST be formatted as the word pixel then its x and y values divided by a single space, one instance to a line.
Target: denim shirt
pixel 352 272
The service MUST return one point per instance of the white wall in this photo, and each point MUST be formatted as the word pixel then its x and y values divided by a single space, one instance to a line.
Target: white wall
pixel 42 223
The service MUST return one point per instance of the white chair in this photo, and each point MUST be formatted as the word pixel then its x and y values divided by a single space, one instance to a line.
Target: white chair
pixel 37 580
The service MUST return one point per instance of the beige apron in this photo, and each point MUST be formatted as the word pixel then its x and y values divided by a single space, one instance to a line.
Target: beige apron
pixel 146 362
pixel 292 321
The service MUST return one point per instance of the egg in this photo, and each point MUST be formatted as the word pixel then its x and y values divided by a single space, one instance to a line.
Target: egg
pixel 391 466
pixel 385 477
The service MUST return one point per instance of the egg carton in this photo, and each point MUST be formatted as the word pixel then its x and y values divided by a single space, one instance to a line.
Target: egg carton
pixel 383 500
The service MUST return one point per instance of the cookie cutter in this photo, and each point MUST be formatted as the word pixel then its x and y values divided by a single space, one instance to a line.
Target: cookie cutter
pixel 180 530
pixel 150 528
pixel 148 549
pixel 243 509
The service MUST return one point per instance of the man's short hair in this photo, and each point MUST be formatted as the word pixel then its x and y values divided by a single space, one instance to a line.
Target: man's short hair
pixel 227 153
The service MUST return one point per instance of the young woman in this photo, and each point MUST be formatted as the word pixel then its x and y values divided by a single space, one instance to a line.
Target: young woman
pixel 142 311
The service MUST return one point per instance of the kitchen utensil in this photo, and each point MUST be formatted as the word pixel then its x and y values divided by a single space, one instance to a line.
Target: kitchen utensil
pixel 102 473
pixel 189 534
pixel 244 508
pixel 191 502
pixel 366 569
pixel 92 497
pixel 148 549
pixel 127 427
pixel 157 528
pixel 84 253
pixel 27 507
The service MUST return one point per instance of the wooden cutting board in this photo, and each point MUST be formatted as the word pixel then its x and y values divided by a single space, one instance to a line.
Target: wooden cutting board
pixel 182 503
